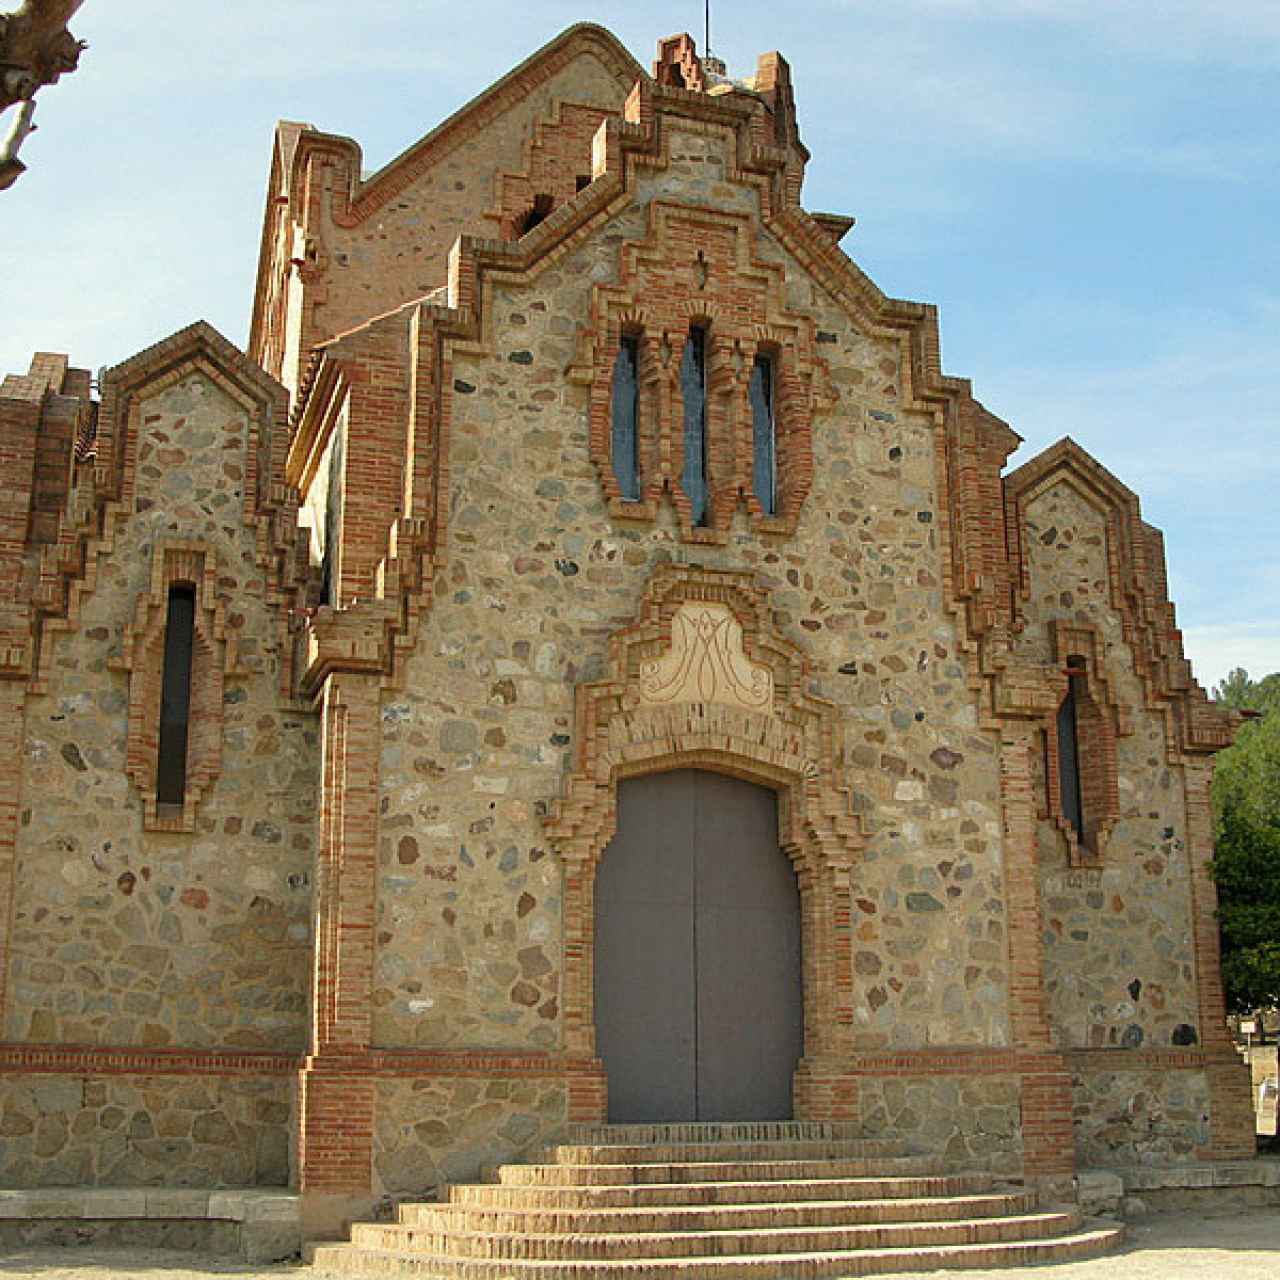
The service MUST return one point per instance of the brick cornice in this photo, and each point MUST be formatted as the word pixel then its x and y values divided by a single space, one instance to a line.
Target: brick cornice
pixel 417 1063
pixel 95 1060
pixel 1194 1059
pixel 929 1062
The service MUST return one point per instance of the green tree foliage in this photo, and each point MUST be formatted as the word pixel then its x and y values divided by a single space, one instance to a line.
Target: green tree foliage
pixel 1246 801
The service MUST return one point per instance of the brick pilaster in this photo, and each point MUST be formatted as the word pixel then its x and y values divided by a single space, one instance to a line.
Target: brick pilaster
pixel 1232 1125
pixel 1048 1144
pixel 1231 1119
pixel 335 1097
pixel 1197 778
pixel 12 727
pixel 1028 1020
pixel 1048 1141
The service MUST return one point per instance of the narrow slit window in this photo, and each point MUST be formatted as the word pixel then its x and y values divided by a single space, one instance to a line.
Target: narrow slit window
pixel 1069 751
pixel 626 405
pixel 175 696
pixel 764 439
pixel 693 387
pixel 329 565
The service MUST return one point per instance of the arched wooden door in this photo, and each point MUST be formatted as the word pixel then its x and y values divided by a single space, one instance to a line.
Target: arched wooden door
pixel 698 1002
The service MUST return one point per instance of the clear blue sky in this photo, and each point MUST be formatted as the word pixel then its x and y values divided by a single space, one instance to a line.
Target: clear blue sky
pixel 1087 188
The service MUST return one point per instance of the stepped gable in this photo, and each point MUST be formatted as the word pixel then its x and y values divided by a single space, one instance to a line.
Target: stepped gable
pixel 319 201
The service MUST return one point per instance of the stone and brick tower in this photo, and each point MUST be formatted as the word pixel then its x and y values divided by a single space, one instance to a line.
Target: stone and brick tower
pixel 571 453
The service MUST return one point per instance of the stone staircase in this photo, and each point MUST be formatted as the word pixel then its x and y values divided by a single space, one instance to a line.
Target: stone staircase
pixel 780 1201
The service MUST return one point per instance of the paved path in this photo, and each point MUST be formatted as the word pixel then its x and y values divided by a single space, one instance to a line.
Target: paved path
pixel 1244 1246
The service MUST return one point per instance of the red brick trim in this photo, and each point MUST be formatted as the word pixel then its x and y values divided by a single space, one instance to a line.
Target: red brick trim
pixel 1092 1060
pixel 476 1062
pixel 938 1062
pixel 92 1060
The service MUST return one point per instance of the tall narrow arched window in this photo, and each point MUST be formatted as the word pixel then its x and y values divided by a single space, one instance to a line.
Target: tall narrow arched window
pixel 1070 787
pixel 693 388
pixel 764 473
pixel 625 415
pixel 175 696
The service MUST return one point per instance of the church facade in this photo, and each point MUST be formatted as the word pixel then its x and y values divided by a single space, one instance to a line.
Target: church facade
pixel 585 662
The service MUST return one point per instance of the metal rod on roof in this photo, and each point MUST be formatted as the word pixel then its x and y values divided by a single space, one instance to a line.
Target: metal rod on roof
pixel 706 31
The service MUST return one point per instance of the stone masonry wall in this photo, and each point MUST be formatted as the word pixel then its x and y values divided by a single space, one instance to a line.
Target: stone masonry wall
pixel 974 1122
pixel 128 937
pixel 428 1132
pixel 129 1131
pixel 1140 1116
pixel 537 579
pixel 1119 963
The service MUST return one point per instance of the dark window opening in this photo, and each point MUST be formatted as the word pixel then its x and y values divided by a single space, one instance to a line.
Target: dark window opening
pixel 672 75
pixel 582 181
pixel 175 696
pixel 764 440
pixel 1069 749
pixel 693 387
pixel 332 520
pixel 542 206
pixel 626 404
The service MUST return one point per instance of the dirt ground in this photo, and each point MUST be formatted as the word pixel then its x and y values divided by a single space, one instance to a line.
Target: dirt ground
pixel 1240 1246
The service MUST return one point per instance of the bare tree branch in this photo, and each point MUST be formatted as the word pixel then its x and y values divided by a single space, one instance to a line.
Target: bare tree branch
pixel 35 50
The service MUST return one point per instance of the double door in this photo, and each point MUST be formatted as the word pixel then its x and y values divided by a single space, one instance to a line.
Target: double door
pixel 697 953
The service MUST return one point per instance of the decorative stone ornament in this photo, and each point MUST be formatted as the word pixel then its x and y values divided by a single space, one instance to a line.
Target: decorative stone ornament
pixel 706 663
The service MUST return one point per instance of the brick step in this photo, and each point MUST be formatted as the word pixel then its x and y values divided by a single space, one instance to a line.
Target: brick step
pixel 721 1152
pixel 650 1135
pixel 616 1175
pixel 583 1247
pixel 736 1217
pixel 769 1191
pixel 1086 1242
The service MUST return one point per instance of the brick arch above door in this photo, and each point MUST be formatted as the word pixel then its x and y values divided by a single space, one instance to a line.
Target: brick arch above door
pixel 702 680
